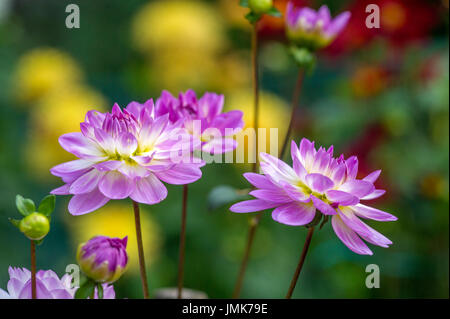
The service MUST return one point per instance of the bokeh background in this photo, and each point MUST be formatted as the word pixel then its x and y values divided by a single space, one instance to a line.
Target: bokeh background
pixel 382 94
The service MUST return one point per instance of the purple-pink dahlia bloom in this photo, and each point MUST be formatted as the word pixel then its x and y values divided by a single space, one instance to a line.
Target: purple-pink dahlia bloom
pixel 103 259
pixel 125 153
pixel 48 286
pixel 313 29
pixel 317 181
pixel 203 118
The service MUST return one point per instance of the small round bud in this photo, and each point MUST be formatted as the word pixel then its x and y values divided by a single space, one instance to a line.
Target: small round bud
pixel 103 259
pixel 35 226
pixel 260 6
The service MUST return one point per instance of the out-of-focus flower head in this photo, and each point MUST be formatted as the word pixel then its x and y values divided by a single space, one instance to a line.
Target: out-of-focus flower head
pixel 313 29
pixel 115 220
pixel 317 181
pixel 125 153
pixel 369 80
pixel 203 118
pixel 48 286
pixel 103 259
pixel 43 70
pixel 178 25
pixel 59 112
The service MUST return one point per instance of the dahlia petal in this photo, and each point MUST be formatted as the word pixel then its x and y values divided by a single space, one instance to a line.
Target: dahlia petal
pixel 70 167
pixel 80 146
pixel 338 24
pixel 62 190
pixel 307 152
pixel 375 194
pixel 271 195
pixel 259 181
pixel 253 205
pixel 373 213
pixel 343 198
pixel 95 118
pixel 41 291
pixel 115 185
pixel 61 294
pixel 372 177
pixel 294 214
pixel 352 167
pixel 85 203
pixel 132 171
pixel 4 294
pixel 318 182
pixel 294 192
pixel 339 173
pixel 105 140
pixel 231 120
pixel 108 166
pixel 180 174
pixel 126 144
pixel 349 237
pixel 149 190
pixel 363 230
pixel 325 208
pixel 219 145
pixel 276 169
pixel 15 286
pixel 86 183
pixel 357 188
pixel 296 160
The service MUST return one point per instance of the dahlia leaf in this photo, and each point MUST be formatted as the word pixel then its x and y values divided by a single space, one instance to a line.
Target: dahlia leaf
pixel 274 12
pixel 25 205
pixel 86 290
pixel 15 222
pixel 47 205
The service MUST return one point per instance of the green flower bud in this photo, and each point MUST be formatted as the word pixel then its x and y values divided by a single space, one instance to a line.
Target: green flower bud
pixel 35 226
pixel 260 6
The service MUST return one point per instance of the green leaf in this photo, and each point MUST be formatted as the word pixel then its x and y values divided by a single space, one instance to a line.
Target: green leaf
pixel 39 242
pixel 243 3
pixel 223 194
pixel 274 12
pixel 15 222
pixel 86 290
pixel 100 291
pixel 253 17
pixel 25 205
pixel 47 205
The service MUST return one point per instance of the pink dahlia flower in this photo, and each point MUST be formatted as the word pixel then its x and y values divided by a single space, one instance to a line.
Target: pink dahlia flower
pixel 48 286
pixel 125 153
pixel 203 118
pixel 314 29
pixel 317 181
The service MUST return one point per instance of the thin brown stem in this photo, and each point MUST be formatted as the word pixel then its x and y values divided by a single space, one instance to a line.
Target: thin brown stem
pixel 255 82
pixel 295 99
pixel 300 263
pixel 137 220
pixel 33 270
pixel 251 235
pixel 255 220
pixel 182 243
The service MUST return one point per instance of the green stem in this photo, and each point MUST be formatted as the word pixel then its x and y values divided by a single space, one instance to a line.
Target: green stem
pixel 142 268
pixel 33 270
pixel 182 242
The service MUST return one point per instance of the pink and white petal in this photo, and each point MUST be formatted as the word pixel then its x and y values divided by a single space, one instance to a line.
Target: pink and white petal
pixel 296 160
pixel 253 205
pixel 115 185
pixel 343 198
pixel 307 152
pixel 276 169
pixel 62 190
pixel 352 167
pixel 363 230
pixel 349 237
pixel 15 286
pixel 219 145
pixel 86 183
pixel 95 118
pixel 358 188
pixel 276 196
pixel 61 294
pixel 80 146
pixel 108 166
pixel 70 167
pixel 375 194
pixel 126 144
pixel 41 291
pixel 132 171
pixel 85 203
pixel 325 208
pixel 294 214
pixel 339 173
pixel 149 190
pixel 294 192
pixel 259 181
pixel 105 140
pixel 4 294
pixel 180 174
pixel 372 177
pixel 372 213
pixel 318 182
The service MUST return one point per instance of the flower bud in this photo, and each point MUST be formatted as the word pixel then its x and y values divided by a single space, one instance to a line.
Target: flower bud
pixel 35 226
pixel 103 259
pixel 260 6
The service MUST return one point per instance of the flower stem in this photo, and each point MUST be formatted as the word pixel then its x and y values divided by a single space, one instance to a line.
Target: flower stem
pixel 137 220
pixel 295 98
pixel 33 269
pixel 182 242
pixel 300 263
pixel 255 220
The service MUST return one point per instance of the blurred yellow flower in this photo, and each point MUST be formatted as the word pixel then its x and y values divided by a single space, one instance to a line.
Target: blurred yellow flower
pixel 42 70
pixel 178 25
pixel 235 14
pixel 57 113
pixel 274 113
pixel 117 220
